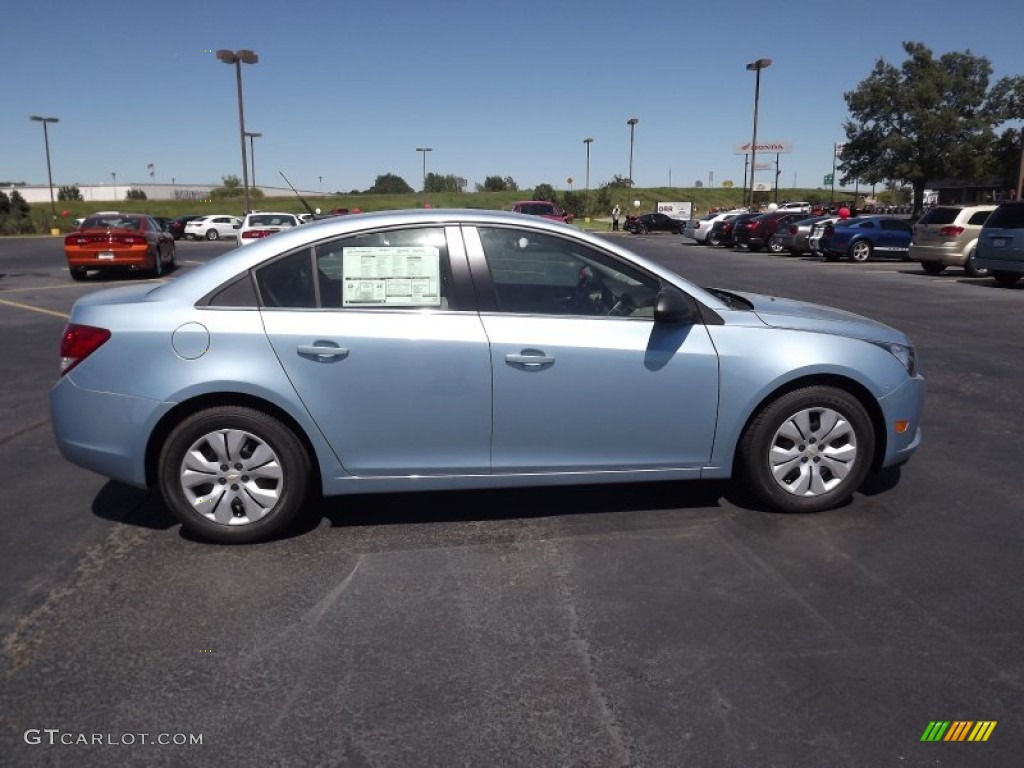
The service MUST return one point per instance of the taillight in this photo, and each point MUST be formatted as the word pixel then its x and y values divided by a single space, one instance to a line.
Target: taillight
pixel 257 233
pixel 78 342
pixel 128 239
pixel 951 231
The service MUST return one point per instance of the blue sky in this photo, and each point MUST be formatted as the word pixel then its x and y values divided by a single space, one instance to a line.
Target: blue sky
pixel 347 90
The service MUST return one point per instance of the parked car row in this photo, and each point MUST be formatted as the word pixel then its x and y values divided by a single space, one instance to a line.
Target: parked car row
pixel 982 239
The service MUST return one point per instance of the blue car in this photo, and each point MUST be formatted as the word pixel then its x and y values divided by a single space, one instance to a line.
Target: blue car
pixel 862 237
pixel 421 350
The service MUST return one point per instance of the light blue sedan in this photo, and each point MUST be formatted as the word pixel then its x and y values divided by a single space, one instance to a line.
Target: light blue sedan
pixel 420 350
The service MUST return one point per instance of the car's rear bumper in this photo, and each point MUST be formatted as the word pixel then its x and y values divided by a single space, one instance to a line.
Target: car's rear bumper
pixel 136 257
pixel 102 431
pixel 948 254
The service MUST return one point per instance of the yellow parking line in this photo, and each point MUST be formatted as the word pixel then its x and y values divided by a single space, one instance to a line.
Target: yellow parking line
pixel 30 308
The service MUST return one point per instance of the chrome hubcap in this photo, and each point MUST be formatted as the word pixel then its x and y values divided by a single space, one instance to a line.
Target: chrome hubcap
pixel 231 477
pixel 812 452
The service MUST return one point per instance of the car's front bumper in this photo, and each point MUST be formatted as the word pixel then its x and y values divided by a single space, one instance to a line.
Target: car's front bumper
pixel 903 404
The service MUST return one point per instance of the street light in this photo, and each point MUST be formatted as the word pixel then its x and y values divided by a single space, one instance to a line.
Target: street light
pixel 113 178
pixel 632 127
pixel 252 154
pixel 49 174
pixel 755 66
pixel 588 141
pixel 424 150
pixel 238 58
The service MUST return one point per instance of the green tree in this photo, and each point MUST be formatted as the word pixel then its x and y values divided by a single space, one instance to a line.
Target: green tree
pixel 544 192
pixel 18 207
pixel 135 194
pixel 930 119
pixel 389 184
pixel 497 184
pixel 69 194
pixel 5 204
pixel 435 182
pixel 231 187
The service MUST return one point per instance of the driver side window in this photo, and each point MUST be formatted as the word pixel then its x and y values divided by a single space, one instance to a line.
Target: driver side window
pixel 541 274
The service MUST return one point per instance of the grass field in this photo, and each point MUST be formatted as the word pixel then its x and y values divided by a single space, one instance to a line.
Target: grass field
pixel 702 198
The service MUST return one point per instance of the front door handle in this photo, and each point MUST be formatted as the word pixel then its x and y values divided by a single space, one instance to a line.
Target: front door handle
pixel 530 359
pixel 323 352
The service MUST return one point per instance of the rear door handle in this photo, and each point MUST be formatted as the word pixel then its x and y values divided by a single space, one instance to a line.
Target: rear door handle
pixel 530 359
pixel 323 351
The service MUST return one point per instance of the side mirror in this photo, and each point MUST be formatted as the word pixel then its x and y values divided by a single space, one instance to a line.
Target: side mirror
pixel 673 306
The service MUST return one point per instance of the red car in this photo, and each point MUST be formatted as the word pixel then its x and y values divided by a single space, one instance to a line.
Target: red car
pixel 131 241
pixel 543 208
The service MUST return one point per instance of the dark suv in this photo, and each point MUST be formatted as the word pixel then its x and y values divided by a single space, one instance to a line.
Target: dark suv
pixel 1000 246
pixel 177 226
pixel 543 208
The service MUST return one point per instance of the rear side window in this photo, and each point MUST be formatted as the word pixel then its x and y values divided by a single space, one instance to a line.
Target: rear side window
pixel 979 217
pixel 895 224
pixel 941 214
pixel 1007 216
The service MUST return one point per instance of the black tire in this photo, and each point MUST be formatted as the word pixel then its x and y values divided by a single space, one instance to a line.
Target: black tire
pixel 1007 279
pixel 212 234
pixel 231 493
pixel 173 263
pixel 933 267
pixel 714 238
pixel 773 245
pixel 861 251
pixel 973 270
pixel 644 229
pixel 158 263
pixel 78 274
pixel 812 405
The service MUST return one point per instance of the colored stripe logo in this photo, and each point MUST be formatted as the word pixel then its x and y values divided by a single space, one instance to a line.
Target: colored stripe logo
pixel 958 730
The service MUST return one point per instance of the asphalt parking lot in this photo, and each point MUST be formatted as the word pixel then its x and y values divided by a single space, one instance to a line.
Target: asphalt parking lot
pixel 659 625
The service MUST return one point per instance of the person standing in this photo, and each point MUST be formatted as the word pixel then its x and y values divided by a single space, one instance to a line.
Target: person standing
pixel 616 212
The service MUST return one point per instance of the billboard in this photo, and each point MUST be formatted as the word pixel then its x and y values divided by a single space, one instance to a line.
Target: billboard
pixel 770 147
pixel 676 210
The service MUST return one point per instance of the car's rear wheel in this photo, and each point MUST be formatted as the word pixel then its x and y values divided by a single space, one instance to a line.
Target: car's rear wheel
pixel 212 234
pixel 644 229
pixel 933 267
pixel 77 273
pixel 714 238
pixel 1006 278
pixel 158 263
pixel 860 251
pixel 172 264
pixel 233 474
pixel 971 269
pixel 808 450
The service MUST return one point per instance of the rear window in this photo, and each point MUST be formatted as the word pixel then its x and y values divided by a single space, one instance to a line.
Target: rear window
pixel 1007 216
pixel 940 215
pixel 112 222
pixel 271 220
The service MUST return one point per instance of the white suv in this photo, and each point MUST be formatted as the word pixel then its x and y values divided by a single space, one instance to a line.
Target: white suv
pixel 947 235
pixel 259 224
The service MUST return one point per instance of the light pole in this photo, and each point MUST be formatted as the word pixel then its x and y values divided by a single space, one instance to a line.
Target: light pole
pixel 113 178
pixel 238 58
pixel 588 141
pixel 49 174
pixel 632 127
pixel 252 154
pixel 424 150
pixel 755 66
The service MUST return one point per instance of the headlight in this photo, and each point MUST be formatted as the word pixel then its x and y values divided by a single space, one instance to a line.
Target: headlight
pixel 901 352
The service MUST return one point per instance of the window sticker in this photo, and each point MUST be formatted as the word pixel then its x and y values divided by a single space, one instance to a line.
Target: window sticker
pixel 385 275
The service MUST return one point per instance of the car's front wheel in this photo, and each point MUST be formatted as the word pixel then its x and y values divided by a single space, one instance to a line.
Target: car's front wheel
pixel 233 474
pixel 860 251
pixel 808 450
pixel 774 245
